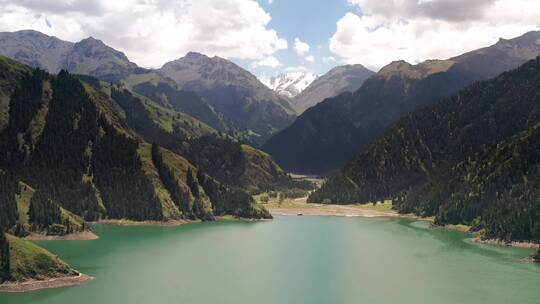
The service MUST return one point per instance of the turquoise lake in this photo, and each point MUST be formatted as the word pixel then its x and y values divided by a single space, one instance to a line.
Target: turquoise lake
pixel 291 260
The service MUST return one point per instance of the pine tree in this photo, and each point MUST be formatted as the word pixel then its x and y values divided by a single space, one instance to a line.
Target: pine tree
pixel 4 257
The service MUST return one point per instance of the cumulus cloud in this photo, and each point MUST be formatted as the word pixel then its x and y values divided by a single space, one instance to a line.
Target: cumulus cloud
pixel 310 58
pixel 329 59
pixel 269 61
pixel 301 47
pixel 153 32
pixel 416 30
pixel 451 10
pixel 296 68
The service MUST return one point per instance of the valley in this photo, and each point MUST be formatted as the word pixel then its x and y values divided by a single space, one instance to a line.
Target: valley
pixel 333 181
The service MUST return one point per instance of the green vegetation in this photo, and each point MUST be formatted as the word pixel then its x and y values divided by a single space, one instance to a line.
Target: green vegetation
pixel 28 261
pixel 329 134
pixel 182 101
pixel 156 123
pixel 4 257
pixel 236 164
pixel 198 195
pixel 472 159
pixel 10 73
pixel 69 155
pixel 23 197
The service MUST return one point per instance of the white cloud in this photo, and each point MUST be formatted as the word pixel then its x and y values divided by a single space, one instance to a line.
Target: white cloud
pixel 416 30
pixel 310 58
pixel 269 61
pixel 152 32
pixel 296 68
pixel 301 47
pixel 329 59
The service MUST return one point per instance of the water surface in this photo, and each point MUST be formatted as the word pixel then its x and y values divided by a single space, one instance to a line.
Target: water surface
pixel 291 260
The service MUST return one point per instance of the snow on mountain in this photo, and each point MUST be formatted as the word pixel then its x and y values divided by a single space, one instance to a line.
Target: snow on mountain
pixel 290 84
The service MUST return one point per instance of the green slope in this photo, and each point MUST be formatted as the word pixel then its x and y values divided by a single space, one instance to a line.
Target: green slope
pixel 326 136
pixel 69 141
pixel 470 159
pixel 29 261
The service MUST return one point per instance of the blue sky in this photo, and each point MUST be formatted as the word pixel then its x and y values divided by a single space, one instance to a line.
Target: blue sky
pixel 313 22
pixel 389 30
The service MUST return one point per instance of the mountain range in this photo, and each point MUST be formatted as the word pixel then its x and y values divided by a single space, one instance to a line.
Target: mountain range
pixel 243 106
pixel 469 159
pixel 325 136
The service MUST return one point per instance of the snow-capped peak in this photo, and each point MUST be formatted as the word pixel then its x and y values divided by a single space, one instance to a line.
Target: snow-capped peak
pixel 290 84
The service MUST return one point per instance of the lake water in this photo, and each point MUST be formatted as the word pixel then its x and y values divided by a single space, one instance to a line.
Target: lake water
pixel 291 260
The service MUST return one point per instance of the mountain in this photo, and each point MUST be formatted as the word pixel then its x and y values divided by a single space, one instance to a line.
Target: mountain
pixel 213 90
pixel 92 57
pixel 168 95
pixel 341 79
pixel 89 56
pixel 236 164
pixel 35 49
pixel 234 92
pixel 472 159
pixel 327 135
pixel 291 84
pixel 70 147
pixel 22 261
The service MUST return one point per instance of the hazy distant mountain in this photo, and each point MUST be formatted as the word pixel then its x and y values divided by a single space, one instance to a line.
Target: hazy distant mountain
pixel 470 159
pixel 346 78
pixel 89 56
pixel 35 49
pixel 330 133
pixel 291 84
pixel 234 92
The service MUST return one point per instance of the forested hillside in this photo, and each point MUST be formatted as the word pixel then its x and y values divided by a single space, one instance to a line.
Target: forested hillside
pixel 324 137
pixel 473 158
pixel 68 154
pixel 236 164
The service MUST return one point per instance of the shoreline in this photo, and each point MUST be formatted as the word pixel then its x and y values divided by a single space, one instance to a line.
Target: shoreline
pixel 170 223
pixel 125 222
pixel 299 206
pixel 524 245
pixel 79 236
pixel 33 285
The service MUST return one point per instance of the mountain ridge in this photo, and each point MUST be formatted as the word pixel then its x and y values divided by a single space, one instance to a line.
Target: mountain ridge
pixel 248 109
pixel 469 159
pixel 327 135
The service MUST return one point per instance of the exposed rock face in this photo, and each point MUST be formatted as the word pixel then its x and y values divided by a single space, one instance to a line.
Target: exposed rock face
pixel 89 56
pixel 234 92
pixel 346 78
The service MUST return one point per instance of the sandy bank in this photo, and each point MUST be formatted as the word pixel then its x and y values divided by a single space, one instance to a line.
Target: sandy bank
pixel 79 236
pixel 169 223
pixel 526 245
pixel 32 285
pixel 300 206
